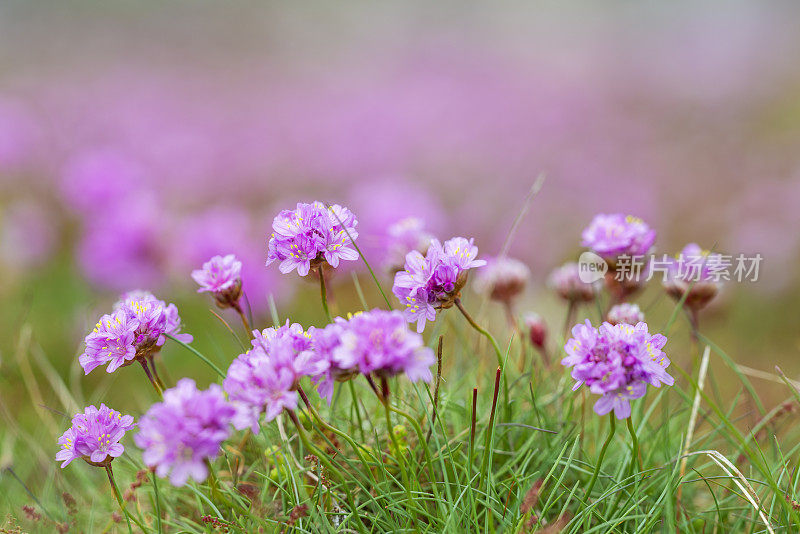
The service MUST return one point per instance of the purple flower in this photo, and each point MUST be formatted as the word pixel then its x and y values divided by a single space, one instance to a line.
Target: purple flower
pixel 312 235
pixel 94 436
pixel 265 378
pixel 379 341
pixel 179 434
pixel 222 276
pixel 502 278
pixel 697 271
pixel 566 281
pixel 617 362
pixel 134 330
pixel 625 313
pixel 613 235
pixel 434 281
pixel 155 317
pixel 112 341
pixel 401 238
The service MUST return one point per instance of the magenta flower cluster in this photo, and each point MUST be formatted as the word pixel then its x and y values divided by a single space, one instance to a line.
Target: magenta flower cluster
pixel 311 235
pixel 179 434
pixel 94 436
pixel 617 362
pixel 136 328
pixel 433 281
pixel 220 275
pixel 264 380
pixel 374 342
pixel 611 236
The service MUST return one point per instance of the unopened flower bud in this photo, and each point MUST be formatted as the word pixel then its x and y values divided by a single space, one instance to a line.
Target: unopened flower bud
pixel 537 329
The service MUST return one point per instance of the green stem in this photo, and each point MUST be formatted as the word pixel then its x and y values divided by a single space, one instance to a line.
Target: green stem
pixel 323 292
pixel 498 352
pixel 635 460
pixel 422 443
pixel 245 322
pixel 399 453
pixel 602 454
pixel 118 496
pixel 199 355
pixel 149 374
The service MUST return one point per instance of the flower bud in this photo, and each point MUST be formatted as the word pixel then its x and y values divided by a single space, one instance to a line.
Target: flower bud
pixel 537 329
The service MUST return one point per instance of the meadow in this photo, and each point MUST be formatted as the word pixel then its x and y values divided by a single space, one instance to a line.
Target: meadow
pixel 464 431
pixel 190 343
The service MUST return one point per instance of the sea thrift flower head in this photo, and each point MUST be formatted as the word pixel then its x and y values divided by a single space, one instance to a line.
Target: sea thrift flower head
pixel 222 277
pixel 179 434
pixel 435 280
pixel 697 272
pixel 502 278
pixel 617 362
pixel 299 339
pixel 341 366
pixel 401 238
pixel 112 341
pixel 537 329
pixel 265 378
pixel 379 342
pixel 610 236
pixel 566 281
pixel 155 317
pixel 625 313
pixel 312 235
pixel 94 436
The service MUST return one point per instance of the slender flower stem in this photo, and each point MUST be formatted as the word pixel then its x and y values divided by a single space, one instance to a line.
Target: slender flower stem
pixel 118 496
pixel 149 374
pixel 397 451
pixel 155 374
pixel 482 331
pixel 323 292
pixel 487 447
pixel 245 322
pixel 498 352
pixel 569 320
pixel 592 481
pixel 635 459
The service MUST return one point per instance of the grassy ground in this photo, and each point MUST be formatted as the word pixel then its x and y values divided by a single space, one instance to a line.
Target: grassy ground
pixel 510 451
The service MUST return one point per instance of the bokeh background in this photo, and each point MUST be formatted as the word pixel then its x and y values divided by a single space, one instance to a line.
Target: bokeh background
pixel 137 139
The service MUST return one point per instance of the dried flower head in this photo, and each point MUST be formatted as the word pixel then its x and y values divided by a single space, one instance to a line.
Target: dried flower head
pixel 625 313
pixel 502 278
pixel 697 272
pixel 567 283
